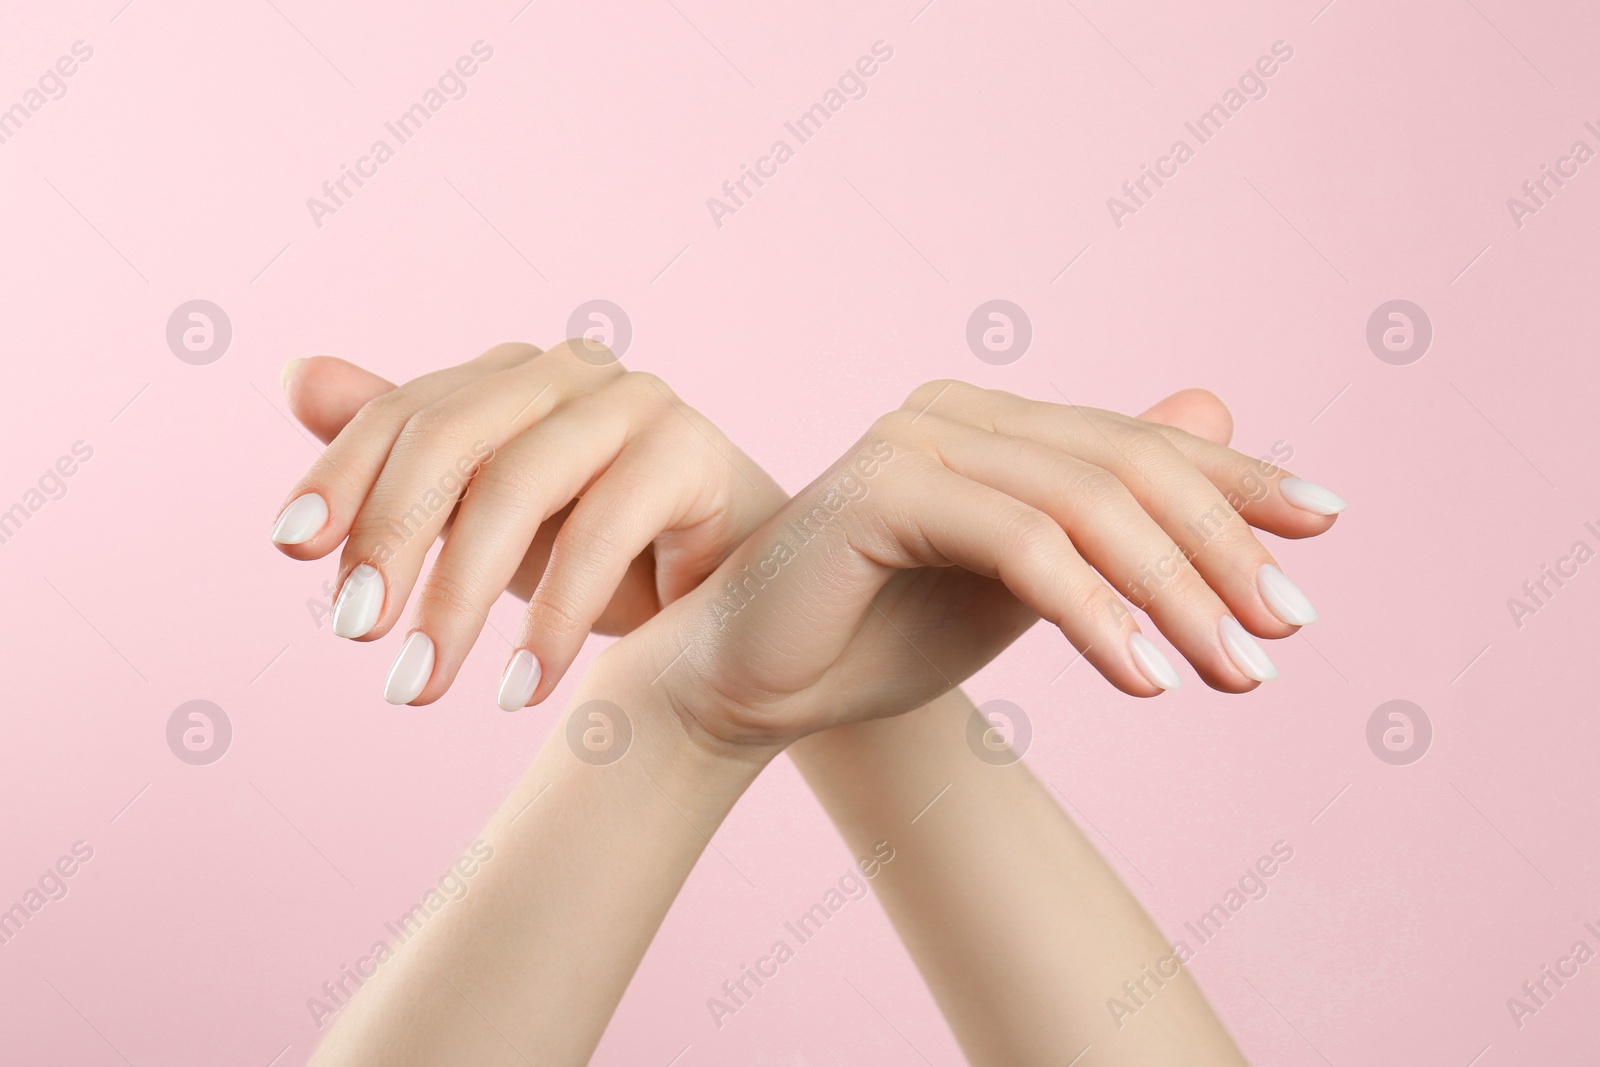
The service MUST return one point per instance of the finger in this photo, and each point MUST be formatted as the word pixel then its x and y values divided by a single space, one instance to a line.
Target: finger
pixel 318 512
pixel 531 479
pixel 1195 411
pixel 1184 500
pixel 437 452
pixel 645 492
pixel 1120 540
pixel 1263 492
pixel 657 480
pixel 325 392
pixel 1268 497
pixel 952 519
pixel 1206 525
pixel 1298 509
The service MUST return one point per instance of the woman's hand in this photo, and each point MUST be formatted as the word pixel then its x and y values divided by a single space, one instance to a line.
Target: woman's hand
pixel 949 529
pixel 525 458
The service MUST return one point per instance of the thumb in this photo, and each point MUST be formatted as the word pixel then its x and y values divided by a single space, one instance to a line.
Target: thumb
pixel 1196 411
pixel 325 392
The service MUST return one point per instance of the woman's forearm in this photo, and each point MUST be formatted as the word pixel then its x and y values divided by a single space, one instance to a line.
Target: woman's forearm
pixel 1020 928
pixel 519 970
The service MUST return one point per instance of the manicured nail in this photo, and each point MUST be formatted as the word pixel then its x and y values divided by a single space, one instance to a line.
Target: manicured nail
pixel 519 681
pixel 1284 597
pixel 1249 657
pixel 411 670
pixel 300 521
pixel 1309 496
pixel 360 601
pixel 288 372
pixel 1155 667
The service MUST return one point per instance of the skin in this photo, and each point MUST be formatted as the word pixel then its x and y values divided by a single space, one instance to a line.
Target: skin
pixel 972 528
pixel 769 676
pixel 529 965
pixel 1021 930
pixel 665 496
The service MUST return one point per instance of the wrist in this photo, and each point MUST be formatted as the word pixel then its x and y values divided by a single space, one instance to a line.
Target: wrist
pixel 624 702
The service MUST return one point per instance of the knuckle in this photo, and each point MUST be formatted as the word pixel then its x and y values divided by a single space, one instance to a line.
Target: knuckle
pixel 939 388
pixel 1146 447
pixel 509 354
pixel 1098 488
pixel 591 356
pixel 445 597
pixel 1187 595
pixel 1031 535
pixel 1223 532
pixel 508 485
pixel 390 409
pixel 555 613
pixel 427 424
pixel 647 380
pixel 1089 605
pixel 898 427
pixel 586 542
pixel 649 391
pixel 682 437
pixel 1105 608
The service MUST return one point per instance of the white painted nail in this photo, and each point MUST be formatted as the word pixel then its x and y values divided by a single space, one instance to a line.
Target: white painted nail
pixel 519 681
pixel 1248 656
pixel 1309 496
pixel 360 601
pixel 300 521
pixel 1284 597
pixel 411 670
pixel 1156 668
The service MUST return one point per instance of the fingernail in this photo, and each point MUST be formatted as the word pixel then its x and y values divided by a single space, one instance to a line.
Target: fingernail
pixel 1309 496
pixel 300 521
pixel 519 681
pixel 288 371
pixel 360 601
pixel 1155 667
pixel 411 671
pixel 1248 656
pixel 1284 597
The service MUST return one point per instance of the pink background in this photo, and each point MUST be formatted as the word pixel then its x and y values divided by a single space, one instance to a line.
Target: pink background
pixel 178 164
